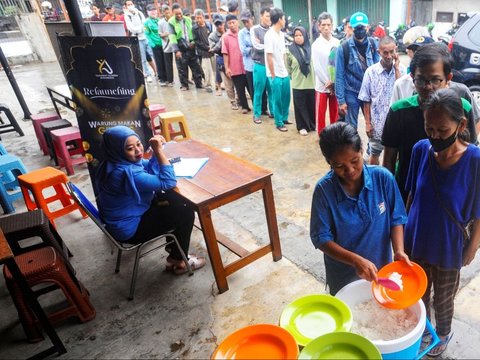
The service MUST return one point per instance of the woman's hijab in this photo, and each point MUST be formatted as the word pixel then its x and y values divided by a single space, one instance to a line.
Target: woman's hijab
pixel 113 148
pixel 302 53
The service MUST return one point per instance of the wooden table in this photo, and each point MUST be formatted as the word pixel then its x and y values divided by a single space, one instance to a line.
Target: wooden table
pixel 223 179
pixel 6 257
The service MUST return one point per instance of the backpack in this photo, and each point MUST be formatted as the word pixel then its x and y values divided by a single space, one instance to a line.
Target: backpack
pixel 346 51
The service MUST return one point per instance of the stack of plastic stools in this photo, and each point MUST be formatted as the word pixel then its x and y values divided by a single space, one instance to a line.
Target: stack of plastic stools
pixel 174 117
pixel 155 110
pixel 6 177
pixel 67 142
pixel 47 128
pixel 35 182
pixel 37 121
pixel 45 267
pixel 9 191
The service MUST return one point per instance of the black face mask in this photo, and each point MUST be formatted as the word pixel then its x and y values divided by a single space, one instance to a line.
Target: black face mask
pixel 442 144
pixel 360 32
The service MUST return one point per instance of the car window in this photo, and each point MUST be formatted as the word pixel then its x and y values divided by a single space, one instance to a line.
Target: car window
pixel 474 33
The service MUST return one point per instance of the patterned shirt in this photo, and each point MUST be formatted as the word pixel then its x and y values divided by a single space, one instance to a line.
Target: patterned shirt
pixel 377 89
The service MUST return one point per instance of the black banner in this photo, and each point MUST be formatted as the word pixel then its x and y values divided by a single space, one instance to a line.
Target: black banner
pixel 106 80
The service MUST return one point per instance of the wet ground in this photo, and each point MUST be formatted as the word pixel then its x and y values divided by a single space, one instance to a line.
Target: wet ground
pixel 180 316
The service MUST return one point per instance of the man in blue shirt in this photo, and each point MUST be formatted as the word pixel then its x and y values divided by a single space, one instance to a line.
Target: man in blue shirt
pixel 353 58
pixel 245 41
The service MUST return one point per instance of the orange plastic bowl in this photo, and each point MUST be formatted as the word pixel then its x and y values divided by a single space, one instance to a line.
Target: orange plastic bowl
pixel 414 285
pixel 263 341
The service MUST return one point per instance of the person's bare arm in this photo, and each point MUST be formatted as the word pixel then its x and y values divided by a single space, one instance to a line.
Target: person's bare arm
pixel 270 64
pixel 368 120
pixel 396 234
pixel 364 268
pixel 226 60
pixel 471 249
pixel 390 158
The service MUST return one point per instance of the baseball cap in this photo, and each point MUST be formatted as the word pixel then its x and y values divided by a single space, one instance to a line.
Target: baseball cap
pixel 422 40
pixel 358 19
pixel 108 6
pixel 224 8
pixel 151 7
pixel 245 15
pixel 218 19
pixel 231 17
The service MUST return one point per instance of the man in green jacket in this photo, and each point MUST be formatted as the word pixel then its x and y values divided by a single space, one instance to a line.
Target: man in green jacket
pixel 181 38
pixel 155 42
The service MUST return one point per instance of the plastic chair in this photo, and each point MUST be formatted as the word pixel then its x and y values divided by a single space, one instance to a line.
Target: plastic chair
pixel 167 120
pixel 47 128
pixel 155 110
pixel 7 177
pixel 67 142
pixel 13 125
pixel 9 192
pixel 44 267
pixel 37 121
pixel 93 213
pixel 35 182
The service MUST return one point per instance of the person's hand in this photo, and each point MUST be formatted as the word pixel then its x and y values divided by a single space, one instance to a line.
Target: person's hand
pixel 469 254
pixel 342 109
pixel 402 256
pixel 178 54
pixel 396 61
pixel 369 129
pixel 228 72
pixel 365 269
pixel 191 45
pixel 156 142
pixel 328 85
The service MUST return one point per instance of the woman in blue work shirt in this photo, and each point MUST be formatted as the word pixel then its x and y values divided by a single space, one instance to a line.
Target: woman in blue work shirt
pixel 133 196
pixel 357 211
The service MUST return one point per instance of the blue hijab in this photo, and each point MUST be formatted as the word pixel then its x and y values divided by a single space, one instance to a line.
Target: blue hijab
pixel 113 148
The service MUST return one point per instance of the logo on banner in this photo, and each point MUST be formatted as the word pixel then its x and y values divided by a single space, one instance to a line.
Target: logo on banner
pixel 105 71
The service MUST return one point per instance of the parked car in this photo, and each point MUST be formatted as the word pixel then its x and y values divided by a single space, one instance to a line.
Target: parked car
pixel 465 48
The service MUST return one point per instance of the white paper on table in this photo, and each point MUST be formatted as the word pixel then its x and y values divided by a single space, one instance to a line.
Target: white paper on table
pixel 189 167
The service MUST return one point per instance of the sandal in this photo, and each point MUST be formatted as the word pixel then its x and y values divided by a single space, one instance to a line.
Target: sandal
pixel 440 348
pixel 282 128
pixel 257 120
pixel 180 268
pixel 183 88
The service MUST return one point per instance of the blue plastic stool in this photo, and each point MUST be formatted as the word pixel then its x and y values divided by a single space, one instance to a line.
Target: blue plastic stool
pixel 7 177
pixel 10 163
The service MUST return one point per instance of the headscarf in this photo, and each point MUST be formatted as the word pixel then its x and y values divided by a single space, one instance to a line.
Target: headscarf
pixel 113 148
pixel 303 52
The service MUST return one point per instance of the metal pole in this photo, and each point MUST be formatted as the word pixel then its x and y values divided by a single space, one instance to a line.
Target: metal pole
pixel 310 31
pixel 13 82
pixel 76 18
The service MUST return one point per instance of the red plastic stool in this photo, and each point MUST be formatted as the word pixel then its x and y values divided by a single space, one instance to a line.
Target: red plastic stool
pixel 37 121
pixel 67 142
pixel 45 267
pixel 36 181
pixel 156 109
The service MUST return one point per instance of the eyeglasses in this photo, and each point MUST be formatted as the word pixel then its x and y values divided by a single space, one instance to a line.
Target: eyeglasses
pixel 424 82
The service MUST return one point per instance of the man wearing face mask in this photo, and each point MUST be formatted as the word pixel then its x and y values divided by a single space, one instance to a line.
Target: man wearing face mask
pixel 430 70
pixel 352 60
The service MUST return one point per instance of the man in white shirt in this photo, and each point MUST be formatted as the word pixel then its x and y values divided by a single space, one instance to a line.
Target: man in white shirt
pixel 324 87
pixel 134 20
pixel 277 73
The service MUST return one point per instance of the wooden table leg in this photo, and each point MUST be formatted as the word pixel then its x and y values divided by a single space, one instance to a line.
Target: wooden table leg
pixel 271 215
pixel 205 217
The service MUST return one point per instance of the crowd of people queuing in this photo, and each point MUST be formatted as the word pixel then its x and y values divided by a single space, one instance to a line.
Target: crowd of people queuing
pixel 416 207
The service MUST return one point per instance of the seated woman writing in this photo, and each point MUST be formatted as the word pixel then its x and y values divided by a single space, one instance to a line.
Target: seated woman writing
pixel 130 198
pixel 357 211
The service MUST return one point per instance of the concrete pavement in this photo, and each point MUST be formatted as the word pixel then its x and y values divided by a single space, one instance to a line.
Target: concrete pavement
pixel 185 317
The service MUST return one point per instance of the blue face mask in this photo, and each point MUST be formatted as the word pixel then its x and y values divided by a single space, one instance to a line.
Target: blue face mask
pixel 360 32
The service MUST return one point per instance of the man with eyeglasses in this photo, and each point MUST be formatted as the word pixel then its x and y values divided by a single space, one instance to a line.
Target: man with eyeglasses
pixel 431 70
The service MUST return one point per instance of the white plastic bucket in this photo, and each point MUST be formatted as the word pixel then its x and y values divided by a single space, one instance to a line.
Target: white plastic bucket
pixel 406 347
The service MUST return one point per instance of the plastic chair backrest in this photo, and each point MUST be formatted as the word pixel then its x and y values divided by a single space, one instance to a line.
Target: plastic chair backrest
pixel 85 202
pixel 3 151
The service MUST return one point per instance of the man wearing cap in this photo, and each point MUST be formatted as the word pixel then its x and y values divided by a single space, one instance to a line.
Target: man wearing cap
pixel 201 31
pixel 232 56
pixel 260 81
pixel 215 42
pixel 352 60
pixel 181 37
pixel 134 20
pixel 164 32
pixel 155 42
pixel 245 42
pixel 110 14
